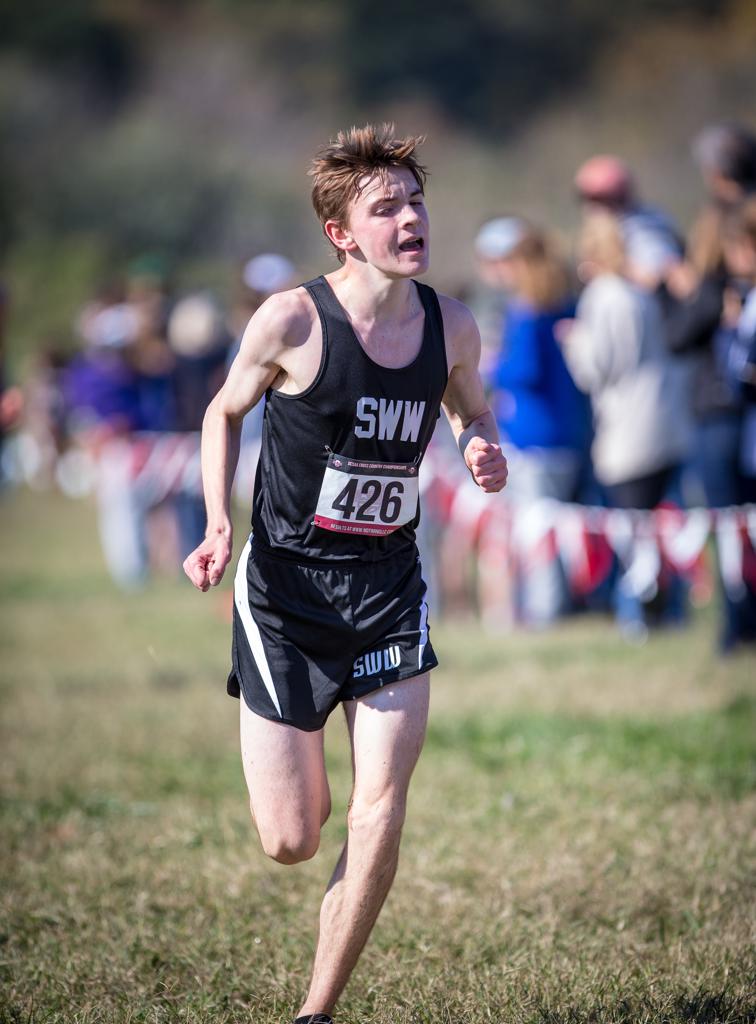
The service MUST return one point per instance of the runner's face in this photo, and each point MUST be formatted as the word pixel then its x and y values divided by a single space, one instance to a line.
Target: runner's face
pixel 388 225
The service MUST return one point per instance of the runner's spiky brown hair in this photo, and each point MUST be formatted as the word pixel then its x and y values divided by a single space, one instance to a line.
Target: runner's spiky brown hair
pixel 341 169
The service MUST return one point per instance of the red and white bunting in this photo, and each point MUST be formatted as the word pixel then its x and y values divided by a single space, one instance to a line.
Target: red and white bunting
pixel 153 467
pixel 584 551
pixel 682 535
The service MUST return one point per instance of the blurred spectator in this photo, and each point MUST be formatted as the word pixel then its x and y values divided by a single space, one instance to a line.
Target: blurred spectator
pixel 261 277
pixel 740 254
pixel 702 301
pixel 726 157
pixel 44 428
pixel 149 353
pixel 739 237
pixel 616 353
pixel 652 240
pixel 100 385
pixel 101 391
pixel 199 341
pixel 128 386
pixel 488 299
pixel 154 363
pixel 451 552
pixel 544 420
pixel 11 399
pixel 653 247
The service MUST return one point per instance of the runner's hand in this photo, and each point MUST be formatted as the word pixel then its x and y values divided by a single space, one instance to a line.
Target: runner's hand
pixel 487 464
pixel 207 563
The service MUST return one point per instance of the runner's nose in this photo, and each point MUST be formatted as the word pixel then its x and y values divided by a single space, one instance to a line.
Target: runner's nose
pixel 410 214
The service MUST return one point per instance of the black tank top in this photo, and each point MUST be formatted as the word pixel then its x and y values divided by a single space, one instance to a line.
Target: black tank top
pixel 337 476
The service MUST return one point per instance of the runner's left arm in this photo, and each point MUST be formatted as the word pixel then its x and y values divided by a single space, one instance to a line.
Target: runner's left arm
pixel 472 422
pixel 254 369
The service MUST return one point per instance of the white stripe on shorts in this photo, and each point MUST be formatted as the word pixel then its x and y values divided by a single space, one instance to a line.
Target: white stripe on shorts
pixel 241 599
pixel 423 633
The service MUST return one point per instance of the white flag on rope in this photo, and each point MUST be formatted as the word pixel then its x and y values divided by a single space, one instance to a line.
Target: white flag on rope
pixel 683 535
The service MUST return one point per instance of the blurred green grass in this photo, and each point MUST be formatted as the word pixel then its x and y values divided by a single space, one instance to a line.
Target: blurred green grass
pixel 579 847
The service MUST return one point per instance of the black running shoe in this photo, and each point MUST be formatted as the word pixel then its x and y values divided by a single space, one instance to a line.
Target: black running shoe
pixel 314 1018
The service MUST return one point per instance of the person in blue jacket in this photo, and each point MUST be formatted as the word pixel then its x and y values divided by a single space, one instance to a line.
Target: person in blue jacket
pixel 543 418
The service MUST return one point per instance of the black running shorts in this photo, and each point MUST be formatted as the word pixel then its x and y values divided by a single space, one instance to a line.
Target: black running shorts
pixel 307 637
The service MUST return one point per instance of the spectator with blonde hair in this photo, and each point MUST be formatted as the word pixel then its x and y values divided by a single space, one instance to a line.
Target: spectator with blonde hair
pixel 543 418
pixel 616 352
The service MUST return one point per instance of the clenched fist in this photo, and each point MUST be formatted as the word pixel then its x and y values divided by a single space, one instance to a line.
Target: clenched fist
pixel 487 464
pixel 207 563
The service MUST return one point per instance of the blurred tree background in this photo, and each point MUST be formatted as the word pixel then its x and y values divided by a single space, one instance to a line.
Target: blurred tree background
pixel 183 130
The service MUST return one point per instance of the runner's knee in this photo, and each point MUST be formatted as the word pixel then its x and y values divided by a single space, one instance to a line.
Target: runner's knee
pixel 290 847
pixel 379 817
pixel 293 844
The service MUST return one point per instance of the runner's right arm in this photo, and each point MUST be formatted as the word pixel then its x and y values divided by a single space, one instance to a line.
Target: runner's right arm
pixel 269 334
pixel 472 422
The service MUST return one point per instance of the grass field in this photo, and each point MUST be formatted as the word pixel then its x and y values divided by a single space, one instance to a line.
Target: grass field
pixel 580 845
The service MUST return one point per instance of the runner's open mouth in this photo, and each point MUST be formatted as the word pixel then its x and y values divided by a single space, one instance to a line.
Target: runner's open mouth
pixel 413 245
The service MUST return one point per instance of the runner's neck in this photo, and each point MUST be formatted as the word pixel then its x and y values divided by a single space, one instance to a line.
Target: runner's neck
pixel 370 297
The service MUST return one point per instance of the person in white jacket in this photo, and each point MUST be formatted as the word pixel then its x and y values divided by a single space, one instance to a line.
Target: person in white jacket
pixel 615 349
pixel 616 352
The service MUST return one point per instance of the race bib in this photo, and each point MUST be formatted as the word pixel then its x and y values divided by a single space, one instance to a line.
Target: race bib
pixel 371 498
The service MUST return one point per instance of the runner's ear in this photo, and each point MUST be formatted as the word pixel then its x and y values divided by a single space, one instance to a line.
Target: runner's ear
pixel 338 235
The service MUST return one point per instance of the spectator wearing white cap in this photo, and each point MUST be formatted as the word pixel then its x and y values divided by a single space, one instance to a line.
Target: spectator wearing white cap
pixel 258 278
pixel 261 277
pixel 493 245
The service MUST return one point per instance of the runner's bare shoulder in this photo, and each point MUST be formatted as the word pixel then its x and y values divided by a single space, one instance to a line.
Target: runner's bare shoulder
pixel 283 322
pixel 460 329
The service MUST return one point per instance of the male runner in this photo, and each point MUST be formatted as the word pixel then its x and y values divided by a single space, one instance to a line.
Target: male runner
pixel 329 599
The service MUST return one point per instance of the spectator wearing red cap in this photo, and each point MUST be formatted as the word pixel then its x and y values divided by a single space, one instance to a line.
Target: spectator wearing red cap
pixel 652 241
pixel 616 353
